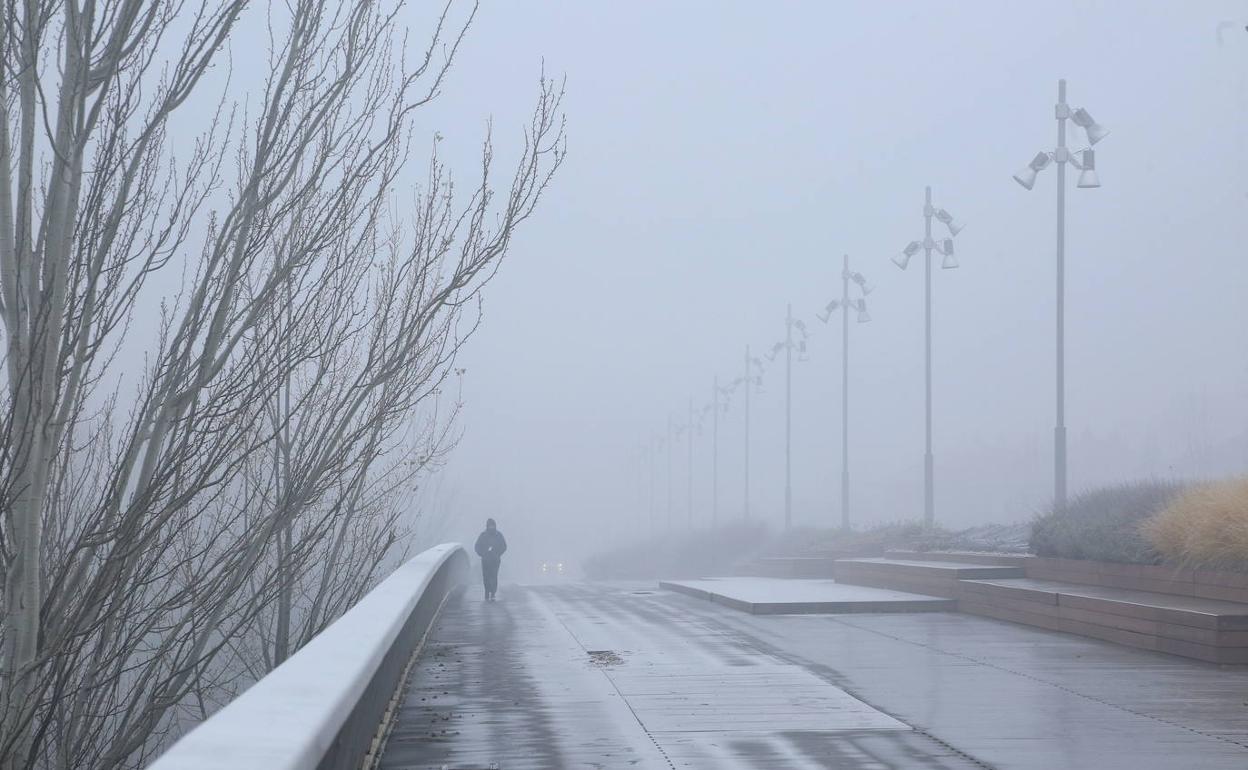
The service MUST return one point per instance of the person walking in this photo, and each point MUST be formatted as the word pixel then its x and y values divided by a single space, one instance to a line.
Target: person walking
pixel 491 545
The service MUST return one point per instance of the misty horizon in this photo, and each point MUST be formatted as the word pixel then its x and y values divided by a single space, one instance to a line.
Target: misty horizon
pixel 724 171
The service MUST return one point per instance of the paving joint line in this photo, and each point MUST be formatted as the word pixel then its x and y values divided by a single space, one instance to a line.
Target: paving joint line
pixel 716 626
pixel 614 686
pixel 1045 682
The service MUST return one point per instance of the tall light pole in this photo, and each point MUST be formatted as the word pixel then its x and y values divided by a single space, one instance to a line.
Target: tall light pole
pixel 715 452
pixel 669 472
pixel 690 479
pixel 746 514
pixel 788 417
pixel 944 247
pixel 845 394
pixel 653 456
pixel 1086 163
pixel 788 347
pixel 641 487
pixel 860 305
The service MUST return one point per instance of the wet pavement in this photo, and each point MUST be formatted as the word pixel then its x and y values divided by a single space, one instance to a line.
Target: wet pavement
pixel 615 676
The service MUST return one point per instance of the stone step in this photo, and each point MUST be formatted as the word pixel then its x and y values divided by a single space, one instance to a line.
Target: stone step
pixel 962 557
pixel 1158 578
pixel 935 578
pixel 939 569
pixel 1166 608
pixel 781 596
pixel 1206 629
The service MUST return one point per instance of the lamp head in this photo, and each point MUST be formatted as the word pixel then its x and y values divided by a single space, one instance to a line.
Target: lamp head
pixel 1088 178
pixel 1027 177
pixel 903 259
pixel 863 315
pixel 1096 132
pixel 947 219
pixel 950 261
pixel 862 282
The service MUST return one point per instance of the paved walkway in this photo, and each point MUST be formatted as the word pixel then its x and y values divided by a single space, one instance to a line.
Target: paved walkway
pixel 607 676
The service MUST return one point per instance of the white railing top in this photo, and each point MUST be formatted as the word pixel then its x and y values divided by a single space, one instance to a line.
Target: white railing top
pixel 288 719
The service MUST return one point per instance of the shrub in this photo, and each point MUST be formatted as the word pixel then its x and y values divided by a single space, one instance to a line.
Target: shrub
pixel 984 538
pixel 902 535
pixel 720 551
pixel 1104 524
pixel 1206 526
pixel 810 541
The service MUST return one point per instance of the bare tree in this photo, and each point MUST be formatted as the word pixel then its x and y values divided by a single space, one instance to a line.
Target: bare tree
pixel 162 527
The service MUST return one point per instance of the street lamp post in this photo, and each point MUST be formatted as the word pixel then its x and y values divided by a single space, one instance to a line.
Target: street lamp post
pixel 715 452
pixel 788 418
pixel 1086 163
pixel 860 305
pixel 669 472
pixel 845 394
pixel 944 247
pixel 652 456
pixel 641 487
pixel 746 514
pixel 690 479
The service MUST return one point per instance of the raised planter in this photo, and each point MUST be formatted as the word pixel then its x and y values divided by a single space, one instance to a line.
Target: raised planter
pixel 1208 629
pixel 962 557
pixel 1199 614
pixel 1158 578
pixel 930 577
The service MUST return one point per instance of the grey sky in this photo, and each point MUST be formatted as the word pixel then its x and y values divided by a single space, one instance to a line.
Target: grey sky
pixel 724 155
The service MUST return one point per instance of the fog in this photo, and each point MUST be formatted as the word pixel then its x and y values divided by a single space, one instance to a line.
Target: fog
pixel 297 296
pixel 723 157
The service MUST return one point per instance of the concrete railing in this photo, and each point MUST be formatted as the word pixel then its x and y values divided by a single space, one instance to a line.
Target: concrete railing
pixel 322 708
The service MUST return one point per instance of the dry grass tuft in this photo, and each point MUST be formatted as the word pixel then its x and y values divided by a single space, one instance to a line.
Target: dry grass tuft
pixel 1205 526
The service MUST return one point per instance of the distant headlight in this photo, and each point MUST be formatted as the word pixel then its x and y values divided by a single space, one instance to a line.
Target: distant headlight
pixel 561 566
pixel 544 567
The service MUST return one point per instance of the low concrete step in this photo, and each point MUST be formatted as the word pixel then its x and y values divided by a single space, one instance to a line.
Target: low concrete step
pixel 1206 629
pixel 943 569
pixel 780 596
pixel 934 578
pixel 963 557
pixel 1167 608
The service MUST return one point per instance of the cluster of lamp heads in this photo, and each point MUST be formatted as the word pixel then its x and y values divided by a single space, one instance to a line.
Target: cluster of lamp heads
pixel 1084 160
pixel 943 246
pixel 799 345
pixel 858 305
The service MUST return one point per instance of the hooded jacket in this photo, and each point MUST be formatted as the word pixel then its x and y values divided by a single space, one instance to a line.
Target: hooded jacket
pixel 491 545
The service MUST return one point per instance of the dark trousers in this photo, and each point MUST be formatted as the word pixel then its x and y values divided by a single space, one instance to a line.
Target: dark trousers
pixel 489 573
